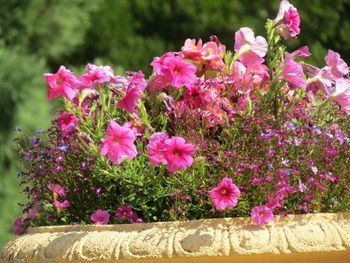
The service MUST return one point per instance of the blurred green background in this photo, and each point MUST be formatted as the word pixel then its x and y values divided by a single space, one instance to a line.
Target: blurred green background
pixel 37 36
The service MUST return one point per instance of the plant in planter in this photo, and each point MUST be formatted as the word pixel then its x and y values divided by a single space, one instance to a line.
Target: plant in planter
pixel 212 133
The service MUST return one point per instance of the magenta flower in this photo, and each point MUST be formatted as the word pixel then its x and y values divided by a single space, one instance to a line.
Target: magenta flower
pixel 19 226
pixel 178 153
pixel 100 217
pixel 97 75
pixel 155 146
pixel 293 72
pixel 119 144
pixel 62 83
pixel 61 205
pixel 67 122
pixel 57 189
pixel 133 93
pixel 287 21
pixel 342 94
pixel 225 195
pixel 124 212
pixel 262 214
pixel 249 49
pixel 337 66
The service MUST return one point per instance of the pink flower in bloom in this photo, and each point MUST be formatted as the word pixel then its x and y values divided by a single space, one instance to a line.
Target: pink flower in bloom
pixel 97 74
pixel 100 217
pixel 336 65
pixel 133 93
pixel 119 144
pixel 250 49
pixel 155 146
pixel 209 50
pixel 19 226
pixel 62 83
pixel 124 212
pixel 342 94
pixel 293 72
pixel 225 195
pixel 287 21
pixel 192 50
pixel 301 52
pixel 178 153
pixel 57 189
pixel 61 205
pixel 67 122
pixel 262 214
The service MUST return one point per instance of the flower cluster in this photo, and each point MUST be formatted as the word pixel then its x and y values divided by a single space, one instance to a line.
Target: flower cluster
pixel 211 133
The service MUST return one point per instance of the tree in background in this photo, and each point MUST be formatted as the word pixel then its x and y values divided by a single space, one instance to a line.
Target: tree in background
pixel 39 35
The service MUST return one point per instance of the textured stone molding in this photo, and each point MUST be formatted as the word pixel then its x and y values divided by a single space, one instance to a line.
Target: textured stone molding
pixel 202 238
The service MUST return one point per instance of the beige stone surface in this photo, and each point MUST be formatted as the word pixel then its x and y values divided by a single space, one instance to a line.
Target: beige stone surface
pixel 211 240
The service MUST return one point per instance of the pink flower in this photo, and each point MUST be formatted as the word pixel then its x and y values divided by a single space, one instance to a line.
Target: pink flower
pixel 293 72
pixel 62 83
pixel 67 122
pixel 225 195
pixel 336 65
pixel 61 205
pixel 301 52
pixel 19 226
pixel 287 21
pixel 97 75
pixel 155 146
pixel 100 217
pixel 133 93
pixel 209 50
pixel 262 214
pixel 173 70
pixel 119 144
pixel 250 49
pixel 192 50
pixel 177 153
pixel 342 94
pixel 124 212
pixel 57 189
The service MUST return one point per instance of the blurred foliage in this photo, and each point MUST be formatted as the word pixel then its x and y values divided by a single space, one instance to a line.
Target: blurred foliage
pixel 39 35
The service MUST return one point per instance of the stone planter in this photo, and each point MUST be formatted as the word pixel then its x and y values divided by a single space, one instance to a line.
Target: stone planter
pixel 301 238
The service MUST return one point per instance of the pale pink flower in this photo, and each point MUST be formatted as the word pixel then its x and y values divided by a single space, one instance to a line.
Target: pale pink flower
pixel 191 50
pixel 97 75
pixel 301 52
pixel 209 50
pixel 56 188
pixel 133 93
pixel 287 21
pixel 61 205
pixel 225 195
pixel 100 217
pixel 262 214
pixel 178 153
pixel 155 146
pixel 342 94
pixel 250 49
pixel 318 80
pixel 336 64
pixel 67 122
pixel 63 83
pixel 293 72
pixel 119 144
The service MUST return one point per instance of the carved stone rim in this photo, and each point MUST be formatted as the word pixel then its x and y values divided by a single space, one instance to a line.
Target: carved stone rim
pixel 224 238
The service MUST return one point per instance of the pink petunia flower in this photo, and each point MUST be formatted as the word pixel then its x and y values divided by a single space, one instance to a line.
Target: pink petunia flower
pixel 19 226
pixel 124 212
pixel 293 72
pixel 100 217
pixel 133 93
pixel 336 64
pixel 155 146
pixel 342 94
pixel 119 144
pixel 250 49
pixel 61 205
pixel 225 195
pixel 287 21
pixel 67 122
pixel 62 83
pixel 262 214
pixel 57 189
pixel 96 75
pixel 178 153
